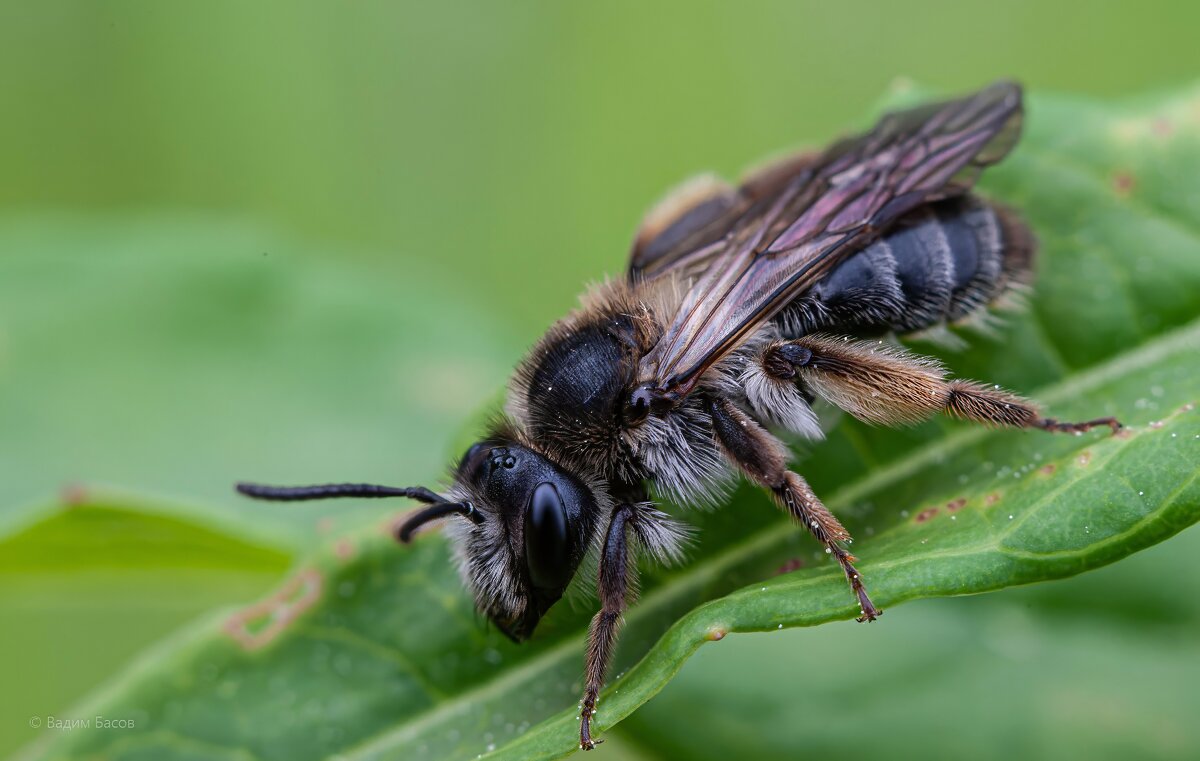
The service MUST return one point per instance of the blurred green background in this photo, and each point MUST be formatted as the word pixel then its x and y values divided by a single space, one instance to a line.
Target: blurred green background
pixel 398 198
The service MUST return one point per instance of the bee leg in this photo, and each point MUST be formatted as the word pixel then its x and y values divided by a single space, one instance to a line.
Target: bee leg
pixel 613 587
pixel 885 385
pixel 992 405
pixel 763 458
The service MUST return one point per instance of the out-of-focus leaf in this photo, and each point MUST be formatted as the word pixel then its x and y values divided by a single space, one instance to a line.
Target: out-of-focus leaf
pixel 89 581
pixel 379 655
pixel 178 353
pixel 204 350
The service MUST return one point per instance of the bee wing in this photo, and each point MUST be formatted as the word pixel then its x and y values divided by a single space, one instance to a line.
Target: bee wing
pixel 687 229
pixel 788 226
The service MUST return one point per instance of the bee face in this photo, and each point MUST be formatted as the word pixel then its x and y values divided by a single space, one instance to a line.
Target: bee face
pixel 537 523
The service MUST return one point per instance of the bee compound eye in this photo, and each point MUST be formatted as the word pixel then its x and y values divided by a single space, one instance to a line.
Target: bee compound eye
pixel 546 552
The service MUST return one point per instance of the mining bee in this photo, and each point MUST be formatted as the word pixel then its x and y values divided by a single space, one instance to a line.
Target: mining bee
pixel 741 308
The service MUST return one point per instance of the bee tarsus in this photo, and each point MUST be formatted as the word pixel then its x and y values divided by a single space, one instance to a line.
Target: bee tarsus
pixel 1050 424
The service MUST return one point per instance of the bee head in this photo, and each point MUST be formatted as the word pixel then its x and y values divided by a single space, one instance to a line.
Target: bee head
pixel 520 525
pixel 536 522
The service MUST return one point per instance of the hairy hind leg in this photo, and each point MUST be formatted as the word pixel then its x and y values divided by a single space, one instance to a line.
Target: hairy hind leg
pixel 879 383
pixel 995 406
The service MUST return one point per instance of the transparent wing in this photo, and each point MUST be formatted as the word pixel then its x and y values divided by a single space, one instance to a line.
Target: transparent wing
pixel 783 230
pixel 687 229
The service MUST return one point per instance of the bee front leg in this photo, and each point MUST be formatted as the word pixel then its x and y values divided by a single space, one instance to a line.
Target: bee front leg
pixel 763 458
pixel 613 587
pixel 885 385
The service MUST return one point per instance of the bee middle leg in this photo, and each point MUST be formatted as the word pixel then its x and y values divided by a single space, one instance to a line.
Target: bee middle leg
pixel 762 458
pixel 884 385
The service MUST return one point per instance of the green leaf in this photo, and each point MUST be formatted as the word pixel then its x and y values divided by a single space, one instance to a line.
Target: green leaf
pixel 183 352
pixel 1100 666
pixel 373 651
pixel 177 353
pixel 88 582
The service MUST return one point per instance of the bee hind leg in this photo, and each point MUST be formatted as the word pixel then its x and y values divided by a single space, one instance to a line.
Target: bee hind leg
pixel 884 385
pixel 762 458
pixel 995 406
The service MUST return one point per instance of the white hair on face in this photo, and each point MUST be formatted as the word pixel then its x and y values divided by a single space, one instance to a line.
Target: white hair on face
pixel 484 558
pixel 488 558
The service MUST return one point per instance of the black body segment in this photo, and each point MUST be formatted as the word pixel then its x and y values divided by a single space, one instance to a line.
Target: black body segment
pixel 940 263
pixel 579 384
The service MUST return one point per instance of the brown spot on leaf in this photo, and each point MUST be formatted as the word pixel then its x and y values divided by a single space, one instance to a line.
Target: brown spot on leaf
pixel 715 634
pixel 1084 458
pixel 991 499
pixel 1048 469
pixel 73 494
pixel 1156 424
pixel 925 514
pixel 344 549
pixel 792 564
pixel 1123 183
pixel 1188 407
pixel 1162 127
pixel 955 505
pixel 255 626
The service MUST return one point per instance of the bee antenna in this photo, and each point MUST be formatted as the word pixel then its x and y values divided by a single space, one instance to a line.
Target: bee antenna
pixel 439 506
pixel 465 509
pixel 329 491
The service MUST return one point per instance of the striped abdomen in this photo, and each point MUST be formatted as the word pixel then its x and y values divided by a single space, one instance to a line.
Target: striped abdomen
pixel 941 263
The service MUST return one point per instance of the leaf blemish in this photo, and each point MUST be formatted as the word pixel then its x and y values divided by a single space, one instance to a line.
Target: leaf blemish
pixel 991 499
pixel 1123 183
pixel 344 549
pixel 956 505
pixel 715 634
pixel 257 625
pixel 925 514
pixel 73 494
pixel 1048 469
pixel 792 564
pixel 1084 458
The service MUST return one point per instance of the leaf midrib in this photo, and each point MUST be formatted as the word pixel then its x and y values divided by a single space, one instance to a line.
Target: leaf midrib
pixel 1160 347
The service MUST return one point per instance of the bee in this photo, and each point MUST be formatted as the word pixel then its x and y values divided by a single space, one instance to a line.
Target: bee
pixel 742 308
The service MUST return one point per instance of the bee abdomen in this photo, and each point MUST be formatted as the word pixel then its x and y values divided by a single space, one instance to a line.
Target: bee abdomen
pixel 942 263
